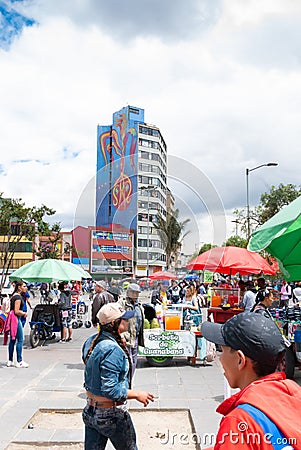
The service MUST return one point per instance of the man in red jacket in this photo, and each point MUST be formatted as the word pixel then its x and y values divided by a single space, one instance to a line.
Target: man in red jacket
pixel 265 413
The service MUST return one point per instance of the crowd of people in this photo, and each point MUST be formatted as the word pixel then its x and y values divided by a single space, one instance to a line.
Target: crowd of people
pixel 252 348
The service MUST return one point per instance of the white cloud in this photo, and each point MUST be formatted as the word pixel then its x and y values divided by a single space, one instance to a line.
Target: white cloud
pixel 218 105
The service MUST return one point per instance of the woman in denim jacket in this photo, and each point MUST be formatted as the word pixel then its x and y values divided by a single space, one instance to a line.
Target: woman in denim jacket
pixel 108 385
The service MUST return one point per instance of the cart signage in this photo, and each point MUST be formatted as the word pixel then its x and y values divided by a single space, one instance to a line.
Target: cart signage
pixel 168 343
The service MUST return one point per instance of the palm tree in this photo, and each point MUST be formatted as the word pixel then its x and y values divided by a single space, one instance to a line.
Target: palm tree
pixel 170 231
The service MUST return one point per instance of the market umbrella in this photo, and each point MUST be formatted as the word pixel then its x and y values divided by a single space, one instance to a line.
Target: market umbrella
pixel 49 270
pixel 281 237
pixel 231 260
pixel 163 275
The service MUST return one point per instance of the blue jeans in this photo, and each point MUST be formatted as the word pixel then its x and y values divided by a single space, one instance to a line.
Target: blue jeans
pixel 102 424
pixel 19 339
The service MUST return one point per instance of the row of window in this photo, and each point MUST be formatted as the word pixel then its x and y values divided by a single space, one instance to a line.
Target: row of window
pixel 152 144
pixel 112 249
pixel 145 230
pixel 104 263
pixel 151 132
pixel 21 247
pixel 152 256
pixel 153 157
pixel 154 181
pixel 151 243
pixel 111 236
pixel 150 168
pixel 144 217
pixel 153 193
pixel 148 131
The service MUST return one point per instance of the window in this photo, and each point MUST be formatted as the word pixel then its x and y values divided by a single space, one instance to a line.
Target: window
pixel 134 110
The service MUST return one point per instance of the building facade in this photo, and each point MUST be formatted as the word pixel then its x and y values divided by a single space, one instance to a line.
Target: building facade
pixel 105 252
pixel 131 184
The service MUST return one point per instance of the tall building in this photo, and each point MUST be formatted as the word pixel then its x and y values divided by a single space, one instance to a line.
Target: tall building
pixel 131 183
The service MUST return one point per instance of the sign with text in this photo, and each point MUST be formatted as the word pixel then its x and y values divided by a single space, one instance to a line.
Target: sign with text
pixel 168 343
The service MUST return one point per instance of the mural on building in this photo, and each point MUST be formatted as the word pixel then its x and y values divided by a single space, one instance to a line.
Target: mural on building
pixel 120 142
pixel 117 160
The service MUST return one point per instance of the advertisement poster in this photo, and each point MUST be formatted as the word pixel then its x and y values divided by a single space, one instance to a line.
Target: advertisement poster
pixel 168 343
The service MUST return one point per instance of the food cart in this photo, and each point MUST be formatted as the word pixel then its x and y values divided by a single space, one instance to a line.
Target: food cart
pixel 172 337
pixel 224 304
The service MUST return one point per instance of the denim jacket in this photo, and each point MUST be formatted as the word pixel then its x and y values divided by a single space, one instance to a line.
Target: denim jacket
pixel 106 372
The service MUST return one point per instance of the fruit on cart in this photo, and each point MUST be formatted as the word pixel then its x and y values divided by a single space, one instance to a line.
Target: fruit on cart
pixel 155 323
pixel 146 324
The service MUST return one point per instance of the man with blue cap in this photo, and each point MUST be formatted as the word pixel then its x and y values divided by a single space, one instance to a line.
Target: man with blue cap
pixel 266 410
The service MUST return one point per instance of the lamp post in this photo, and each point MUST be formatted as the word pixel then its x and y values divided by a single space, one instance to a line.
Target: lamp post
pixel 270 164
pixel 148 189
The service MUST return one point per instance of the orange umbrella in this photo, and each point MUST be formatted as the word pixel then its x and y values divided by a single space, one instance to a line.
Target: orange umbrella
pixel 163 275
pixel 231 260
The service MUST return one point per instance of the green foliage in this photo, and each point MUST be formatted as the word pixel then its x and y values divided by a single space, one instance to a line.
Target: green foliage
pixel 18 222
pixel 205 248
pixel 50 249
pixel 276 199
pixel 270 203
pixel 236 241
pixel 170 231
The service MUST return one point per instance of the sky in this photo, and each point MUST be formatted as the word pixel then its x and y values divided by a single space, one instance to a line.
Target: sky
pixel 220 78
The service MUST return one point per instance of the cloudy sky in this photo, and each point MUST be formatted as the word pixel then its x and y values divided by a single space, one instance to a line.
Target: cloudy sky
pixel 220 78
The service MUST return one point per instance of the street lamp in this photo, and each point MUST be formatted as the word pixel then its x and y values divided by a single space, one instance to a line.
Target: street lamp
pixel 148 189
pixel 248 201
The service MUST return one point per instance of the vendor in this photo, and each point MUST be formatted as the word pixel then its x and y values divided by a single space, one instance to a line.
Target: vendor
pixel 191 306
pixel 161 295
pixel 248 296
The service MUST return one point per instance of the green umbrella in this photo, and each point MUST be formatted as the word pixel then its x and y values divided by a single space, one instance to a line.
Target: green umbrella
pixel 49 270
pixel 281 237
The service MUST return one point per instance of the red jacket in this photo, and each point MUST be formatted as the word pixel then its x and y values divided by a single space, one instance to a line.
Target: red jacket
pixel 277 397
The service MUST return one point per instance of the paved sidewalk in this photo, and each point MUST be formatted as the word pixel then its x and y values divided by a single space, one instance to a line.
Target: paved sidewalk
pixel 54 380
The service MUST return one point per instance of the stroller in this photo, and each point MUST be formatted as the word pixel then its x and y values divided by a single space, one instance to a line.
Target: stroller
pixel 79 312
pixel 45 322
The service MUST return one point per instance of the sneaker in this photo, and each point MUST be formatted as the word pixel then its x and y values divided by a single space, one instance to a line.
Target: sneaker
pixel 9 363
pixel 69 340
pixel 62 341
pixel 22 364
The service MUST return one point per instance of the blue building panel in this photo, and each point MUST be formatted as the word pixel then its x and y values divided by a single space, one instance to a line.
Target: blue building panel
pixel 117 169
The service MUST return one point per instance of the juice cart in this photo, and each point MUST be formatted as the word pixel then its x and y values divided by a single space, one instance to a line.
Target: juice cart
pixel 169 339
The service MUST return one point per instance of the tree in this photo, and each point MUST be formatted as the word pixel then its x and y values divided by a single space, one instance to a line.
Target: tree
pixel 17 223
pixel 170 231
pixel 275 200
pixel 50 248
pixel 270 203
pixel 236 241
pixel 205 248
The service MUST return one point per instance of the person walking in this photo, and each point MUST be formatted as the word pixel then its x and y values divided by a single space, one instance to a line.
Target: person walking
pixel 101 297
pixel 108 383
pixel 14 327
pixel 285 294
pixel 264 411
pixel 134 335
pixel 65 308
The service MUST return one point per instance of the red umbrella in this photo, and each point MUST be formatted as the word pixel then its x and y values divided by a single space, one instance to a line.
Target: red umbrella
pixel 163 275
pixel 231 260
